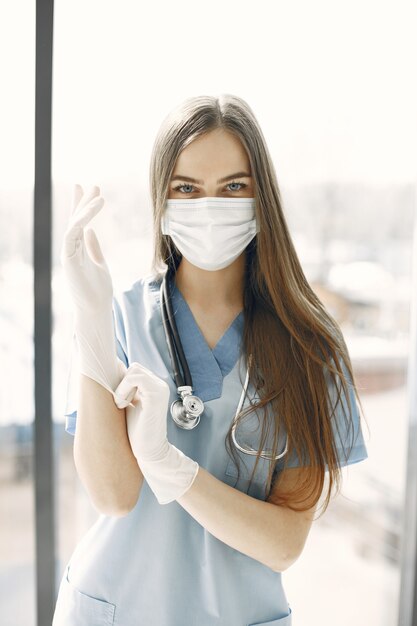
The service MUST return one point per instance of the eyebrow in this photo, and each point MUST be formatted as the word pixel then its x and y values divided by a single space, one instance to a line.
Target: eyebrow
pixel 221 180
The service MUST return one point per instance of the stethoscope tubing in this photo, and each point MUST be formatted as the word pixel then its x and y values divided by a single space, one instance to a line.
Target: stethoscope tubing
pixel 175 346
pixel 171 332
pixel 250 451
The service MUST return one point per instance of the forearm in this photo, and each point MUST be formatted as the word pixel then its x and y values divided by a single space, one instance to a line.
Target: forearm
pixel 102 453
pixel 96 341
pixel 259 529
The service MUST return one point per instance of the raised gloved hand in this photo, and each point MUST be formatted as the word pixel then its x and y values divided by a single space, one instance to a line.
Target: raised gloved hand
pixel 167 470
pixel 91 290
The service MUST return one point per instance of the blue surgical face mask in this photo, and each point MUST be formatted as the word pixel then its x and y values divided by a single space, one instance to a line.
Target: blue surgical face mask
pixel 210 232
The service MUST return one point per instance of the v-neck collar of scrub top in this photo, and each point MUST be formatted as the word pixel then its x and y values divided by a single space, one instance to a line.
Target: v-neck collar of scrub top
pixel 208 366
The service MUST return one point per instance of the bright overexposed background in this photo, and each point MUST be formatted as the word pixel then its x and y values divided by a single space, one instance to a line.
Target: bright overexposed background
pixel 332 83
pixel 333 87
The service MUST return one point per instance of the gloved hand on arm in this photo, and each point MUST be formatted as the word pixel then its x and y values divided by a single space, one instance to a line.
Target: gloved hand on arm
pixel 167 470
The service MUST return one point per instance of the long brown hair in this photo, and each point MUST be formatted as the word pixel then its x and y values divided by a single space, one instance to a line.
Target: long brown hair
pixel 296 344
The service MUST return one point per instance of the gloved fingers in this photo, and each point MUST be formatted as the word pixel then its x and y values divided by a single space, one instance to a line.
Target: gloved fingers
pixel 137 383
pixel 125 391
pixel 77 194
pixel 73 239
pixel 73 242
pixel 81 199
pixel 86 197
pixel 85 212
pixel 124 397
pixel 69 244
pixel 146 381
pixel 93 246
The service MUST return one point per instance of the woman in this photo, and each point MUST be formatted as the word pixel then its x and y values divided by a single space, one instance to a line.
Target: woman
pixel 193 529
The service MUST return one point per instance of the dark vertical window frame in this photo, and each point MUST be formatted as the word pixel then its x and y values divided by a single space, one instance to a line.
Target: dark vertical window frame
pixel 42 243
pixel 408 585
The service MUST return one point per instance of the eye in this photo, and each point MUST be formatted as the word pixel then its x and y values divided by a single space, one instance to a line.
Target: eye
pixel 242 185
pixel 190 187
pixel 179 187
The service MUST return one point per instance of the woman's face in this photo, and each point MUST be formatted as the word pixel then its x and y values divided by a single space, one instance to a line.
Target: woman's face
pixel 214 164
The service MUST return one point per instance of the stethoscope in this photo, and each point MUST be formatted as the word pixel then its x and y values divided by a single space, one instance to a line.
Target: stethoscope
pixel 186 411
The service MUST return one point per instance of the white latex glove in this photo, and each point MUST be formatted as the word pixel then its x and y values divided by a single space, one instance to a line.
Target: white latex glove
pixel 167 470
pixel 91 289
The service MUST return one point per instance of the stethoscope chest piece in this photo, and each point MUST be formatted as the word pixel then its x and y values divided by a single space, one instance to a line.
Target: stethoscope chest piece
pixel 186 412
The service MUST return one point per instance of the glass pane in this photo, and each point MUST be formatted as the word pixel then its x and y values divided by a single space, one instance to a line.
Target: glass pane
pixel 362 275
pixel 17 540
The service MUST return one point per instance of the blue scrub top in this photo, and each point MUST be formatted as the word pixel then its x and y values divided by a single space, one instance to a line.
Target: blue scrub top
pixel 157 566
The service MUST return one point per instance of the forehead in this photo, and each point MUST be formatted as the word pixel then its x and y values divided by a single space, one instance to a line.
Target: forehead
pixel 211 154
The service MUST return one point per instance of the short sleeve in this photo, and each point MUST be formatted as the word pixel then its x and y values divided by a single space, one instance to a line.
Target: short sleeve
pixel 346 425
pixel 71 401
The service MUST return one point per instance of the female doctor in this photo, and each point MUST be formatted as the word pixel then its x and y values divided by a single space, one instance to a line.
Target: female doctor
pixel 213 395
